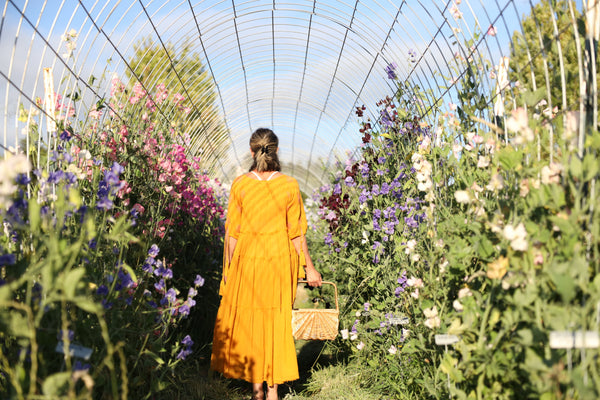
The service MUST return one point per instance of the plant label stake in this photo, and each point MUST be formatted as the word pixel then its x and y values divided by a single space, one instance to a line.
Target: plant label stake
pixel 445 340
pixel 574 340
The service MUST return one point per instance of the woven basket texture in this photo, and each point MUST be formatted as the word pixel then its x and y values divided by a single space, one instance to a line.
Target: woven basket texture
pixel 316 324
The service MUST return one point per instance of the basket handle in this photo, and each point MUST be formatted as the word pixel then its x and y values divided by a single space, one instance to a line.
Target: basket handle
pixel 337 307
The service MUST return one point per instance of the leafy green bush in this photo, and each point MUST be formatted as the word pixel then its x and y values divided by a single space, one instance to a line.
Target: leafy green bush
pixel 488 235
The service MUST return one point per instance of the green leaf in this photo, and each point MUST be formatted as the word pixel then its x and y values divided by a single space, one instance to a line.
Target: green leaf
pixel 72 281
pixel 18 324
pixel 565 285
pixel 533 98
pixel 87 304
pixel 155 357
pixel 590 167
pixel 575 167
pixel 55 385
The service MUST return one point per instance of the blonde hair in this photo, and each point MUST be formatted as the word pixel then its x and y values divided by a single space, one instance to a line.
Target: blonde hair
pixel 264 144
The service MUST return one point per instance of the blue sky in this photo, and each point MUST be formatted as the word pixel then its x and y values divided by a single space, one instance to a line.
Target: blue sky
pixel 299 67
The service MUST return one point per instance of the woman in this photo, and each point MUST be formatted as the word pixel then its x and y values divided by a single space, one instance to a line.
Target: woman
pixel 265 250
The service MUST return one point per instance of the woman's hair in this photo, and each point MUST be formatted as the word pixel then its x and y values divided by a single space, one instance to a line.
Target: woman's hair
pixel 264 144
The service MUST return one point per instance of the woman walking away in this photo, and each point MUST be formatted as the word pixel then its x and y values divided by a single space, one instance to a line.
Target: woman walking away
pixel 265 254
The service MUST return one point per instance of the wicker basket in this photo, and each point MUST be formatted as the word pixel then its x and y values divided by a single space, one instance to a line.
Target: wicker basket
pixel 316 324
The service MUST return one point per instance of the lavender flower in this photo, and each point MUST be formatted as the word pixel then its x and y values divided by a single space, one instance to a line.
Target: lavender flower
pixel 390 70
pixel 199 281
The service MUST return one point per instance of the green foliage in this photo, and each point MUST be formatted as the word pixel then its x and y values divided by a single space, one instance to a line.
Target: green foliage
pixel 182 71
pixel 490 244
pixel 537 46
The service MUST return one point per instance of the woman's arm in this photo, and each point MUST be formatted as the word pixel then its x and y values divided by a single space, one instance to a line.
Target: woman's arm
pixel 313 276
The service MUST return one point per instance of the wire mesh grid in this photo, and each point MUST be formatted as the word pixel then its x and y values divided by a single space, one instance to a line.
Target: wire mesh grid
pixel 300 67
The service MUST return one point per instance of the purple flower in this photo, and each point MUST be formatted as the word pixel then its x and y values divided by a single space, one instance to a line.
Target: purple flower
pixel 79 366
pixel 328 239
pixel 187 341
pixel 8 259
pixel 65 136
pixel 171 295
pixel 183 354
pixel 153 251
pixel 125 278
pixel 330 216
pixel 102 290
pixel 364 170
pixel 22 179
pixel 117 169
pixel 160 286
pixel 199 281
pixel 337 189
pixel 390 70
pixel 104 203
pixel 192 292
pixel 184 310
pixel 349 181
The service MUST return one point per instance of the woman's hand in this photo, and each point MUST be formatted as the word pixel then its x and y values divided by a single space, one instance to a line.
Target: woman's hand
pixel 313 277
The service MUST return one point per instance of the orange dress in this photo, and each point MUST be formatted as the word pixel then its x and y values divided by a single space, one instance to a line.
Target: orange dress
pixel 253 331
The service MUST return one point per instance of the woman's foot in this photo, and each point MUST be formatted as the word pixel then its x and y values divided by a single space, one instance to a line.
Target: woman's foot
pixel 272 393
pixel 257 391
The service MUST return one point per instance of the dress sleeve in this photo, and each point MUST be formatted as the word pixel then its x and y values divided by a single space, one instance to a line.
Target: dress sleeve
pixel 296 217
pixel 297 226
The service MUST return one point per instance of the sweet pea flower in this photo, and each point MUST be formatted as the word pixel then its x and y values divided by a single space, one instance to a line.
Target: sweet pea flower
pixel 392 350
pixel 464 292
pixel 360 346
pixel 496 183
pixel 457 305
pixel 433 320
pixel 463 196
pixel 344 333
pixel 551 173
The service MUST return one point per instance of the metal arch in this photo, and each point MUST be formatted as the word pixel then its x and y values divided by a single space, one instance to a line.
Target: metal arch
pixel 254 80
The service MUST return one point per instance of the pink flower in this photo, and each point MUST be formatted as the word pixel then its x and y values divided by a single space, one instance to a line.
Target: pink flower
pixel 492 30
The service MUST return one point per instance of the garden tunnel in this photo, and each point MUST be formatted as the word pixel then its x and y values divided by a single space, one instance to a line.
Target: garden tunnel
pixel 300 67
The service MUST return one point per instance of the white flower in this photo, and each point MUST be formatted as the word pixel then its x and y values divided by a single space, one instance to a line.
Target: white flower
pixel 518 122
pixel 415 294
pixel 365 238
pixel 517 236
pixel 431 312
pixel 360 345
pixel 483 162
pixel 443 266
pixel 432 323
pixel 496 183
pixel 551 173
pixel 344 333
pixel 512 233
pixel 519 244
pixel 415 257
pixel 410 246
pixel 404 334
pixel 463 196
pixel 425 185
pixel 464 292
pixel 457 306
pixel 354 336
pixel 392 349
pixel 414 282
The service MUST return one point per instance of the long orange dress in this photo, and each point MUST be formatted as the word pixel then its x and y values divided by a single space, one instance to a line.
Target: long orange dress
pixel 253 334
